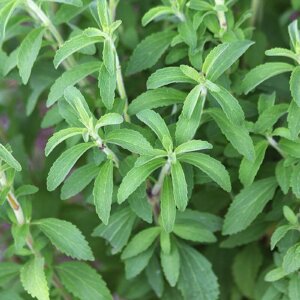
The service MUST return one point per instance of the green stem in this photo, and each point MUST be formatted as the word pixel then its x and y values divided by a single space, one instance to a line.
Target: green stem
pixel 274 144
pixel 221 16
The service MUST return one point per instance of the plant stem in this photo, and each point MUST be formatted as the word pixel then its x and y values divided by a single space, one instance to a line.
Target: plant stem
pixel 274 144
pixel 221 16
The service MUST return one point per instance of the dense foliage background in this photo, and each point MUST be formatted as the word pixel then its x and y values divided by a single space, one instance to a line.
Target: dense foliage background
pixel 217 218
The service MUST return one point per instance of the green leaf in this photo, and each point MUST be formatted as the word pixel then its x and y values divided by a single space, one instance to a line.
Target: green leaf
pixel 107 85
pixel 141 242
pixel 167 205
pixel 69 2
pixel 139 203
pixel 291 260
pixel 117 232
pixel 223 57
pixel 179 186
pixel 283 176
pixel 170 263
pixel 229 104
pixel 200 5
pixel 154 276
pixel 293 119
pixel 78 180
pixel 66 237
pixel 34 280
pixel 156 12
pixel 196 280
pixel 148 51
pixel 290 215
pixel 70 78
pixel 193 145
pixel 248 169
pixel 109 119
pixel 103 191
pixel 294 287
pixel 136 264
pixel 245 269
pixel 275 275
pixel 157 124
pixel 88 37
pixel 83 281
pixel 269 117
pixel 279 234
pixel 294 35
pixel 294 85
pixel 210 166
pixel 61 136
pixel 156 98
pixel 63 165
pixel 28 52
pixel 6 12
pixel 290 147
pixel 191 101
pixel 295 177
pixel 282 52
pixel 238 136
pixel 248 204
pixel 8 271
pixel 186 127
pixel 195 232
pixel 131 140
pixel 167 76
pixel 136 176
pixel 6 156
pixel 103 15
pixel 262 73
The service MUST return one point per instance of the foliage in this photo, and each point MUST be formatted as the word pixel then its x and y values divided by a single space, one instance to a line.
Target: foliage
pixel 153 142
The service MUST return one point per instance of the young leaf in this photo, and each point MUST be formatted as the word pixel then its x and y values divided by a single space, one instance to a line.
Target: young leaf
pixel 78 180
pixel 136 176
pixel 293 119
pixel 6 12
pixel 179 186
pixel 248 204
pixel 66 237
pixel 210 166
pixel 107 85
pixel 63 165
pixel 282 52
pixel 156 12
pixel 156 98
pixel 238 136
pixel 262 73
pixel 170 263
pixel 88 37
pixel 294 35
pixel 279 234
pixel 195 232
pixel 61 136
pixel 229 104
pixel 9 159
pixel 248 169
pixel 33 278
pixel 283 176
pixel 294 85
pixel 191 101
pixel 103 190
pixel 193 145
pixel 70 78
pixel 222 57
pixel 167 76
pixel 109 119
pixel 83 281
pixel 167 205
pixel 28 52
pixel 148 51
pixel 103 14
pixel 131 140
pixel 157 124
pixel 141 242
pixel 291 260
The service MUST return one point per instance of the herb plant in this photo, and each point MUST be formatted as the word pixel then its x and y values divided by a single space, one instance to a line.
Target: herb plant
pixel 149 149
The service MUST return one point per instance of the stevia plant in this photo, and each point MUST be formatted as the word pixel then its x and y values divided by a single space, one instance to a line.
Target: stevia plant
pixel 170 138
